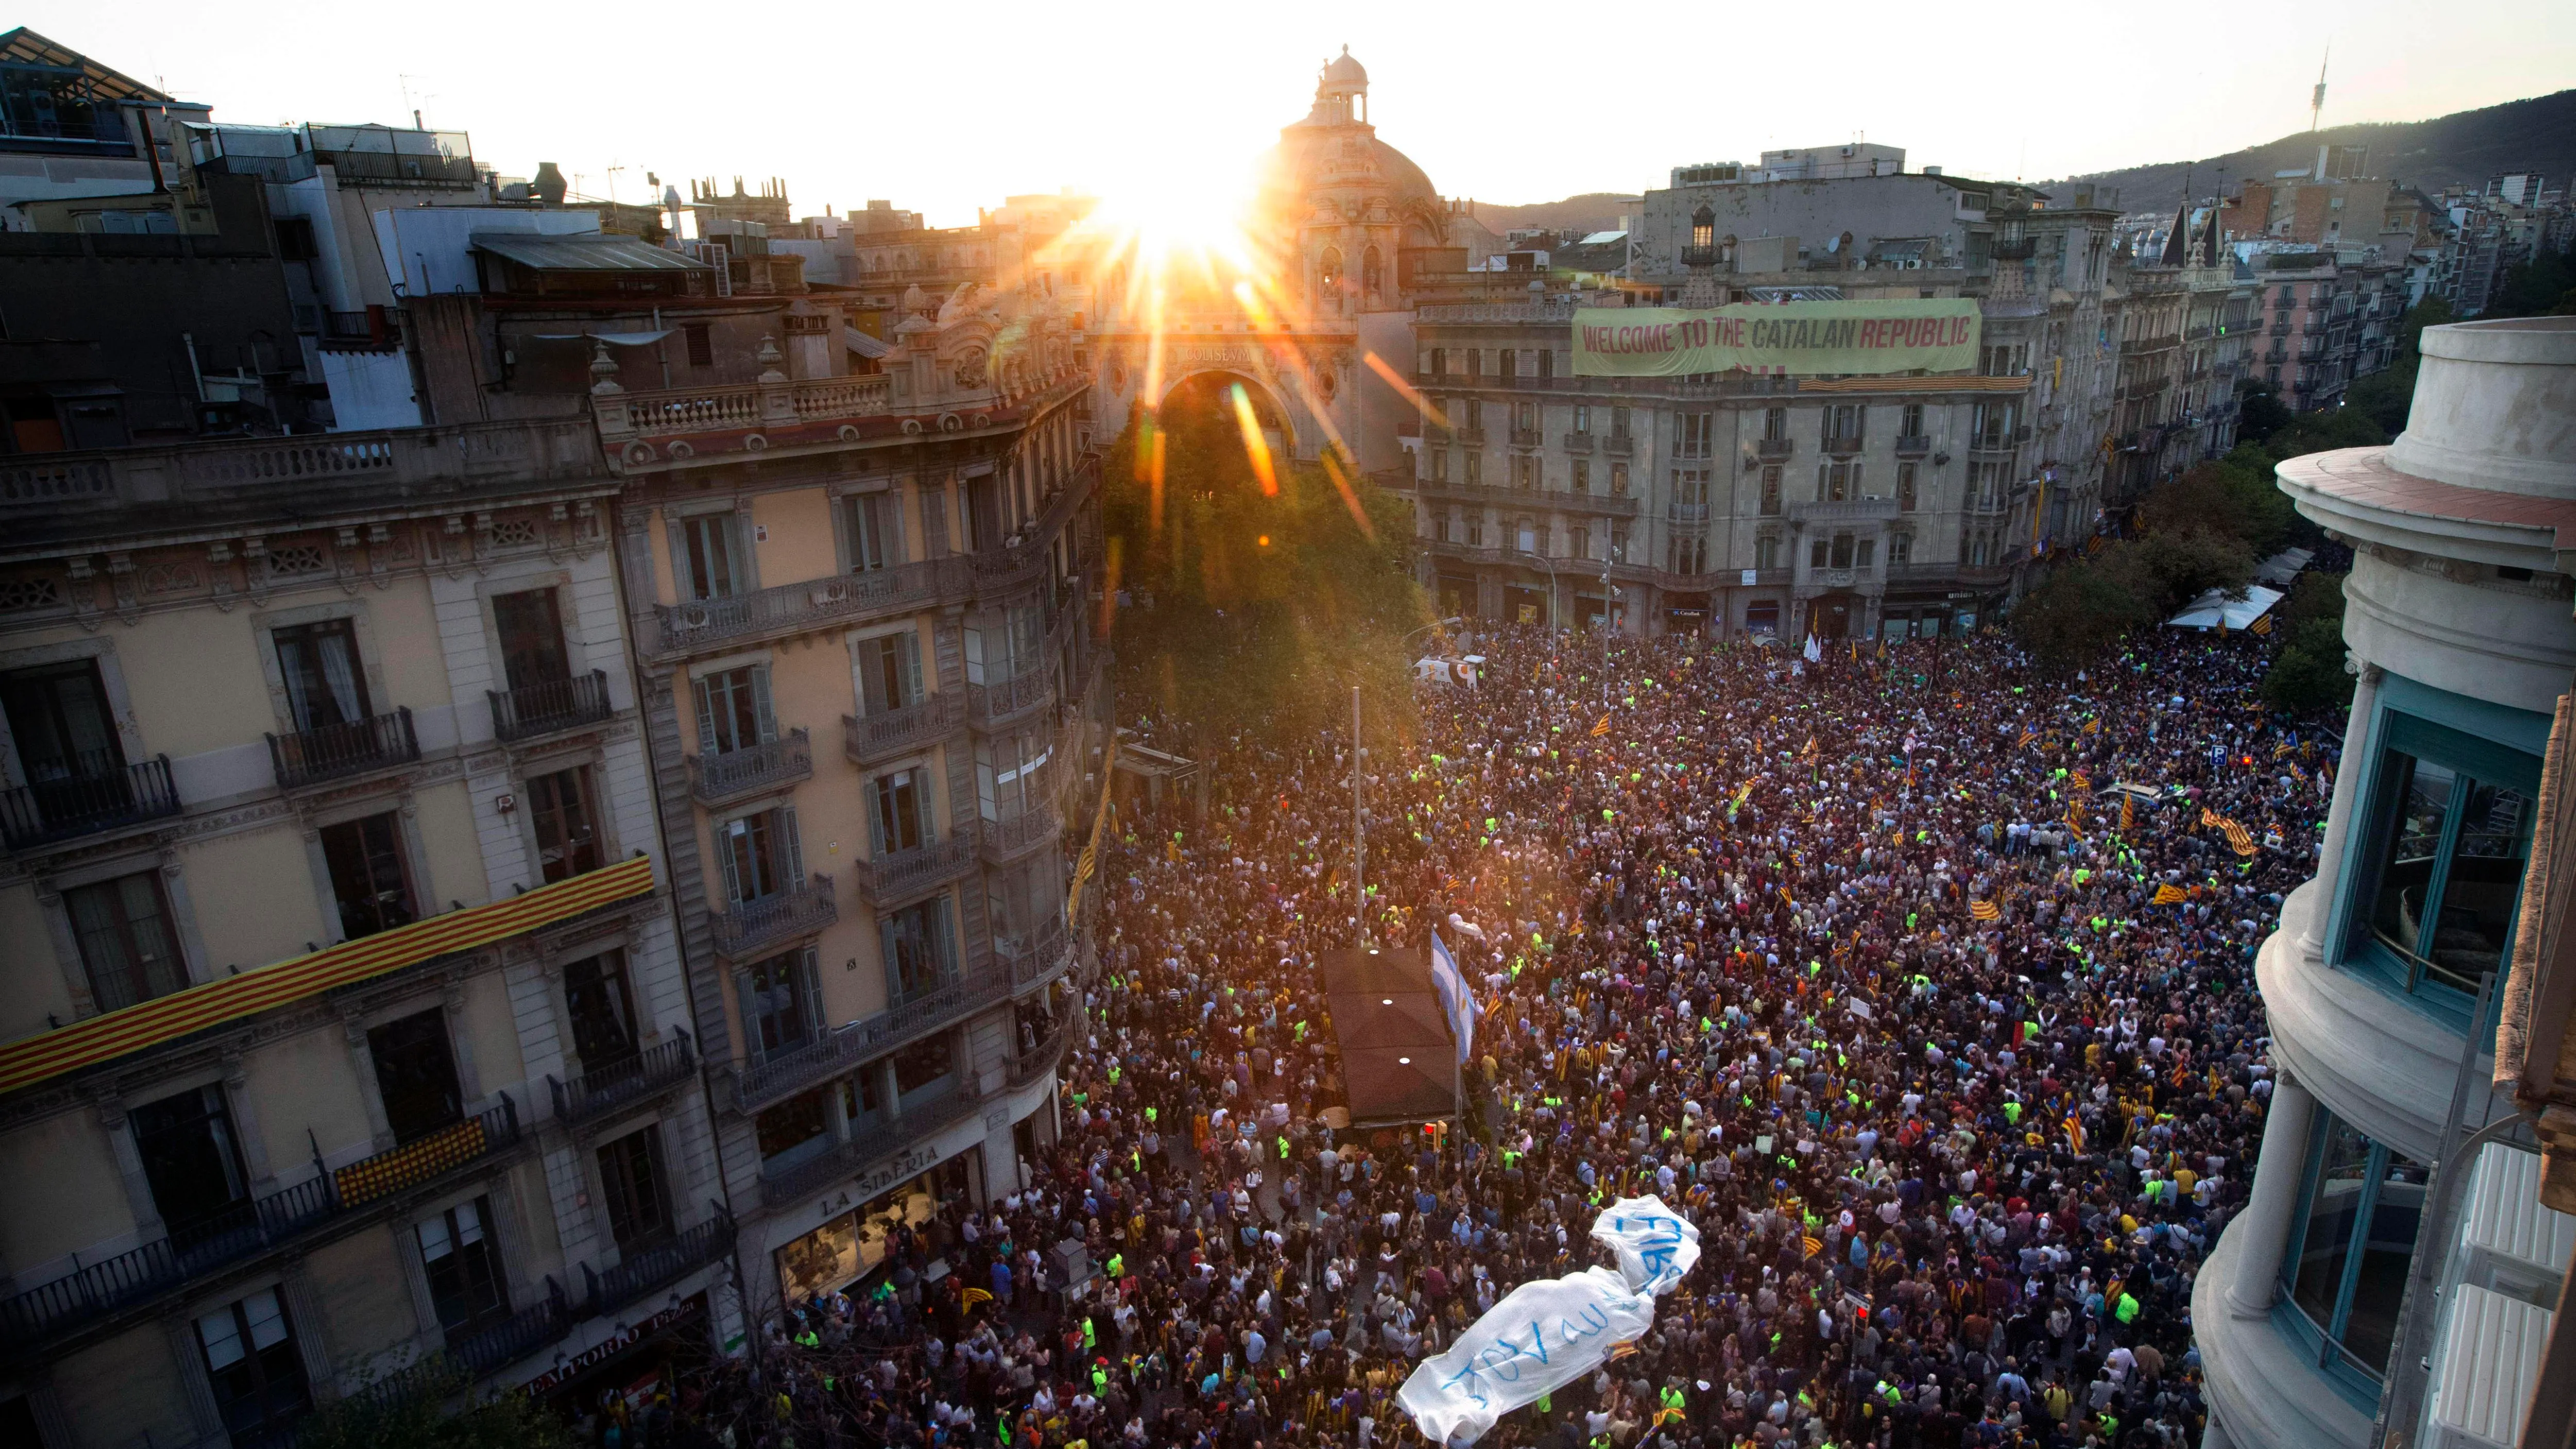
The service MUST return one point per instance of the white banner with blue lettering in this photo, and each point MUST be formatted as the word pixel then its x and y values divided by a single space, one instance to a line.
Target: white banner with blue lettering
pixel 1546 1334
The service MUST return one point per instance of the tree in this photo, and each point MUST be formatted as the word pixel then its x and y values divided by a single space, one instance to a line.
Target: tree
pixel 2309 674
pixel 410 1410
pixel 2083 608
pixel 2386 396
pixel 2544 286
pixel 2260 412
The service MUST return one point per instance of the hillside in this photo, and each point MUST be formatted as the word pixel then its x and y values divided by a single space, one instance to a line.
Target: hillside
pixel 1592 211
pixel 2538 134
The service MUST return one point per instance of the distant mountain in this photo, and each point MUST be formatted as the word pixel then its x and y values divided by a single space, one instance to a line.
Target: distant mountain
pixel 2538 134
pixel 1592 211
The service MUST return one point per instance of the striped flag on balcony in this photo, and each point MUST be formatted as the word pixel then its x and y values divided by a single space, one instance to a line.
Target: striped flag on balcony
pixel 165 1018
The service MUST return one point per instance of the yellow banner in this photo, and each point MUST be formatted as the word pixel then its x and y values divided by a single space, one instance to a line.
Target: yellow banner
pixel 1807 338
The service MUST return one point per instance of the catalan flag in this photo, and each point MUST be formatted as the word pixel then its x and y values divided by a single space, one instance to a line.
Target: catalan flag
pixel 2093 726
pixel 1601 728
pixel 2260 626
pixel 2238 839
pixel 2128 811
pixel 2082 781
pixel 2168 894
pixel 2074 822
pixel 973 1296
pixel 1815 1245
pixel 1985 910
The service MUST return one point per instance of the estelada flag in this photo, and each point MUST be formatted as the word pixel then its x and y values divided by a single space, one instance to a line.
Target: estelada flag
pixel 2026 737
pixel 1985 910
pixel 1602 728
pixel 2283 748
pixel 2168 894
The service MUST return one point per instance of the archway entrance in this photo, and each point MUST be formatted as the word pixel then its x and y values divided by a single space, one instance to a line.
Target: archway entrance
pixel 1232 394
pixel 1835 615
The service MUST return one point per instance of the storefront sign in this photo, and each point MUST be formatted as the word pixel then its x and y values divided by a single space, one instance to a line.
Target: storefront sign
pixel 1844 338
pixel 608 1348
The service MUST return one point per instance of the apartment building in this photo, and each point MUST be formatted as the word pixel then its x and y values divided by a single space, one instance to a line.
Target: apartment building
pixel 2392 1268
pixel 347 1024
pixel 2328 318
pixel 901 563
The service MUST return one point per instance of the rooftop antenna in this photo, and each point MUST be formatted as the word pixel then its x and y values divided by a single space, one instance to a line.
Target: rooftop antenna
pixel 2317 102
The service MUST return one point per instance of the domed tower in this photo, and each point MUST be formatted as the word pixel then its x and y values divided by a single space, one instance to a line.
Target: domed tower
pixel 1341 92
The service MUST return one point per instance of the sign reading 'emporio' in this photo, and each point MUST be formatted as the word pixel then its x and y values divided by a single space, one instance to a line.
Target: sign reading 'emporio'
pixel 1846 338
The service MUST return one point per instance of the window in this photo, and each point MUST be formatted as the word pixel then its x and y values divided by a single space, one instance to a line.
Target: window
pixel 922 1064
pixel 733 710
pixel 1525 536
pixel 127 948
pixel 367 880
pixel 702 349
pixel 1578 543
pixel 1618 422
pixel 875 532
pixel 901 819
pixel 1771 490
pixel 319 662
pixel 1010 775
pixel 1582 481
pixel 1546 364
pixel 761 856
pixel 1775 425
pixel 1703 232
pixel 1833 482
pixel 1618 480
pixel 1618 543
pixel 1022 904
pixel 1818 552
pixel 602 1007
pixel 707 547
pixel 792 1130
pixel 1913 424
pixel 464 1268
pixel 1904 488
pixel 862 1098
pixel 1900 548
pixel 1766 551
pixel 1475 528
pixel 192 1161
pixel 1689 554
pixel 1865 553
pixel 295 240
pixel 920 949
pixel 65 733
pixel 1525 472
pixel 630 1179
pixel 890 672
pixel 1475 370
pixel 1440 465
pixel 1474 462
pixel 532 638
pixel 253 1366
pixel 2351 1241
pixel 1439 362
pixel 1508 359
pixel 1843 423
pixel 416 1075
pixel 2451 833
pixel 1583 418
pixel 567 837
pixel 777 1003
pixel 1695 431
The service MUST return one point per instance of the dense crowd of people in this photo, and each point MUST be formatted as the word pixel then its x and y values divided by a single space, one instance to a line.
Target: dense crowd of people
pixel 1922 981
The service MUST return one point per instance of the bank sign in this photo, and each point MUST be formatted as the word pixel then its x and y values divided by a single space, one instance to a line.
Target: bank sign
pixel 1807 338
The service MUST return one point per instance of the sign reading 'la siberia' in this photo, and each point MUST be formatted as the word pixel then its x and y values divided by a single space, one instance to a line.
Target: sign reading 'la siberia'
pixel 1845 338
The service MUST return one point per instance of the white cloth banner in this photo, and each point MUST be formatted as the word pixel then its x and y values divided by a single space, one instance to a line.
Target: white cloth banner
pixel 1548 1333
pixel 1455 998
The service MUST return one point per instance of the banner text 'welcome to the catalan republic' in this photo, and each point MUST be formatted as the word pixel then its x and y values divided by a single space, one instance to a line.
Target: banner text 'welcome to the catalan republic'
pixel 1843 338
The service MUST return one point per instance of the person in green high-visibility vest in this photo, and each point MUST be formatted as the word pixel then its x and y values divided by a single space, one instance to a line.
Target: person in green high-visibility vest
pixel 1117 1266
pixel 2127 1308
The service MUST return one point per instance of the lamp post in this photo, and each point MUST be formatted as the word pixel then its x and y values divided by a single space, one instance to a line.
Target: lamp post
pixel 1541 560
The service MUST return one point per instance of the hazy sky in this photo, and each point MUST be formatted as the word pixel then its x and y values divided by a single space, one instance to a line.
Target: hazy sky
pixel 942 108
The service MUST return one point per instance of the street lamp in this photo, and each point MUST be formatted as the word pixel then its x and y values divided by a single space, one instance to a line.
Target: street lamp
pixel 1541 560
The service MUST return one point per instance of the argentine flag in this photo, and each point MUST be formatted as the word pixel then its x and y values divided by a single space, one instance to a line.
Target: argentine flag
pixel 1455 998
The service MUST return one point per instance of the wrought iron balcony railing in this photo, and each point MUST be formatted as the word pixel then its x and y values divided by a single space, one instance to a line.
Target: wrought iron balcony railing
pixel 550 706
pixel 102 794
pixel 746 927
pixel 718 778
pixel 332 752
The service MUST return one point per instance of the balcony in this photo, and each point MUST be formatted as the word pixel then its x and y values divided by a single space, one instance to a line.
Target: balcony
pixel 335 752
pixel 641 1270
pixel 1032 963
pixel 613 1087
pixel 994 705
pixel 1773 450
pixel 1620 445
pixel 746 928
pixel 794 608
pixel 1686 515
pixel 1842 445
pixel 676 411
pixel 1912 445
pixel 105 795
pixel 1699 256
pixel 1528 438
pixel 1990 444
pixel 882 736
pixel 723 778
pixel 550 707
pixel 870 1143
pixel 786 1073
pixel 898 875
pixel 46 1314
pixel 1007 840
pixel 1578 443
pixel 1471 437
pixel 1847 510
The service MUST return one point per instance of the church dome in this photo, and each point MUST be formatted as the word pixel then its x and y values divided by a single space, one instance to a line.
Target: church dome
pixel 1343 71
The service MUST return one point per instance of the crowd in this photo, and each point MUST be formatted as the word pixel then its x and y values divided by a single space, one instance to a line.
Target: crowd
pixel 1922 981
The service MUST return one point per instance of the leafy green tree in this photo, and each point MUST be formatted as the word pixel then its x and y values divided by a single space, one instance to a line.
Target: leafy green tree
pixel 2309 675
pixel 2083 608
pixel 418 1409
pixel 2260 412
pixel 2544 286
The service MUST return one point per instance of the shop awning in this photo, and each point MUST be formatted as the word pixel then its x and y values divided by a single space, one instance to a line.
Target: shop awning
pixel 583 253
pixel 613 339
pixel 2212 608
pixel 167 1018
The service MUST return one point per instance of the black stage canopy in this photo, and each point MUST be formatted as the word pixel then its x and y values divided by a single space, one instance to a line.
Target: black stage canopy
pixel 1399 1059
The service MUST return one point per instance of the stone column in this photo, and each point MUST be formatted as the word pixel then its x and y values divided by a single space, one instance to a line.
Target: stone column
pixel 2263 1228
pixel 2361 741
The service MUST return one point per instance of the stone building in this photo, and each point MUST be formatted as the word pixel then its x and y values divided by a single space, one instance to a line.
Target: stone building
pixel 347 1023
pixel 2361 1282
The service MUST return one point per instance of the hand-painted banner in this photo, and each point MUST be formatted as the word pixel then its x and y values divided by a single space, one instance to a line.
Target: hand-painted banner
pixel 1846 339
